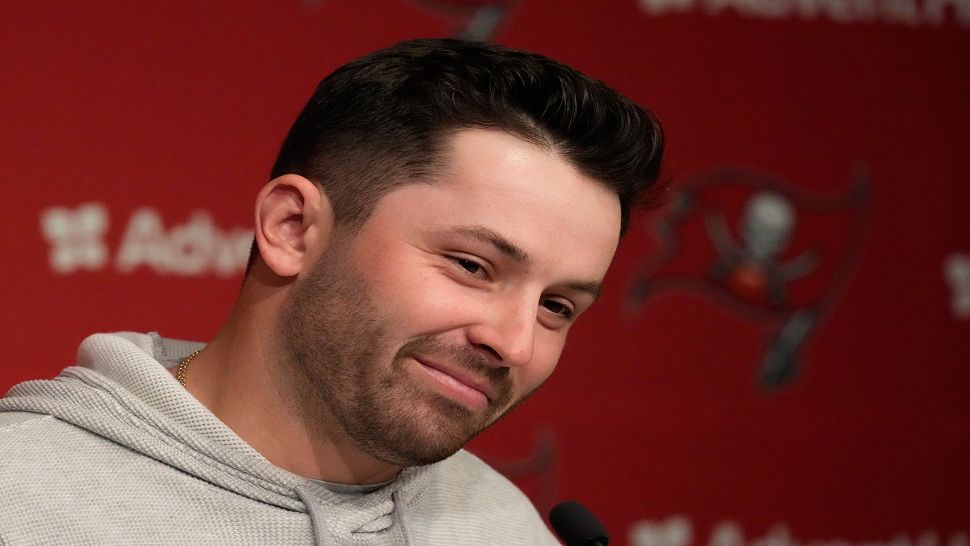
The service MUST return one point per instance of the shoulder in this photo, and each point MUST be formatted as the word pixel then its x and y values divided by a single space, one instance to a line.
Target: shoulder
pixel 39 452
pixel 42 452
pixel 465 472
pixel 465 495
pixel 33 441
pixel 23 430
pixel 10 421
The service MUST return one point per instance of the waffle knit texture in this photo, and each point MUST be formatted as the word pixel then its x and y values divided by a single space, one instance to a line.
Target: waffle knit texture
pixel 115 451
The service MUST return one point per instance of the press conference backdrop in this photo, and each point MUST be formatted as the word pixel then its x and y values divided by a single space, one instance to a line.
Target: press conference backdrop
pixel 781 354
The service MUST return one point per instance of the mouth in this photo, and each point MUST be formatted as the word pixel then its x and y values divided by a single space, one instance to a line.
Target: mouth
pixel 457 383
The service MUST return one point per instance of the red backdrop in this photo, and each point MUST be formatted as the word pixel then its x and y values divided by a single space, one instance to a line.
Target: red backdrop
pixel 727 390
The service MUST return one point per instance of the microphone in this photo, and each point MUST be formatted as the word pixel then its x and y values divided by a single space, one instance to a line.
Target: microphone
pixel 577 526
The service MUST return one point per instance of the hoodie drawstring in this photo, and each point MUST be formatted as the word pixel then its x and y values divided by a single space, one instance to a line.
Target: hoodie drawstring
pixel 316 521
pixel 401 516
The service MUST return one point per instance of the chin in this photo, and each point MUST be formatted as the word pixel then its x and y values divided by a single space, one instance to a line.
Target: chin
pixel 429 437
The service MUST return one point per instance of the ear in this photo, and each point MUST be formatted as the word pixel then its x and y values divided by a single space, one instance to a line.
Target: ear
pixel 294 222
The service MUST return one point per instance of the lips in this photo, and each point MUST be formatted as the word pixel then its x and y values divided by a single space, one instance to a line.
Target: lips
pixel 462 375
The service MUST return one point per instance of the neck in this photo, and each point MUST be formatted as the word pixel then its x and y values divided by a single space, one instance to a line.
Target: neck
pixel 238 378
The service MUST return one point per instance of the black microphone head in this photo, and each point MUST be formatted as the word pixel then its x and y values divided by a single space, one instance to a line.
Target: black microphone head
pixel 576 525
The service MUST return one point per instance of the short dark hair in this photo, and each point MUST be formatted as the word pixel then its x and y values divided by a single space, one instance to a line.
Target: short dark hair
pixel 380 121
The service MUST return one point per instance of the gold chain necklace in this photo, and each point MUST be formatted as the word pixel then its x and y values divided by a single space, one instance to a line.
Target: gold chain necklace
pixel 183 365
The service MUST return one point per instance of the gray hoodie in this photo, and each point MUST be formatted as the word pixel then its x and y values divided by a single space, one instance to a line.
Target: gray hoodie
pixel 114 451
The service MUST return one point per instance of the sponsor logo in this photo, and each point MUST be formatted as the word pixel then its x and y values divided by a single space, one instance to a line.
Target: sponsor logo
pixel 477 19
pixel 772 254
pixel 76 237
pixel 678 531
pixel 912 13
pixel 196 247
pixel 956 271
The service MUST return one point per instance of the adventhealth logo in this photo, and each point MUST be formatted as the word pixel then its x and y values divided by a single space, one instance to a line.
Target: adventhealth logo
pixel 679 531
pixel 908 13
pixel 76 237
pixel 196 247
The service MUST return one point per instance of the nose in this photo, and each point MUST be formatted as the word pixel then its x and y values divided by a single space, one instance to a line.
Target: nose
pixel 506 332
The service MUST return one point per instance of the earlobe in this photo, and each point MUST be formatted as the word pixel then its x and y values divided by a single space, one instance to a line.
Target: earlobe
pixel 294 221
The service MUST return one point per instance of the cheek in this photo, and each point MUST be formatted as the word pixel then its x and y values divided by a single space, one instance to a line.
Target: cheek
pixel 417 300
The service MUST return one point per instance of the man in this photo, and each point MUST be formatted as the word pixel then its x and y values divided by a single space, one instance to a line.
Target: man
pixel 439 216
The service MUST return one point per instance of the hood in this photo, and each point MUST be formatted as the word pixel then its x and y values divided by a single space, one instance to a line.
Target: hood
pixel 121 390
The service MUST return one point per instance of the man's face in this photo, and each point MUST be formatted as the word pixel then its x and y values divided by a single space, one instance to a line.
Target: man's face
pixel 452 302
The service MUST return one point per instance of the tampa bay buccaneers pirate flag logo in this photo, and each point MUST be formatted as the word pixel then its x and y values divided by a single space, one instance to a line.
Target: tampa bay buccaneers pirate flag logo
pixel 770 253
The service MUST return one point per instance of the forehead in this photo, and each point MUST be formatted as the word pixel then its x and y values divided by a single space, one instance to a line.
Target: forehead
pixel 530 195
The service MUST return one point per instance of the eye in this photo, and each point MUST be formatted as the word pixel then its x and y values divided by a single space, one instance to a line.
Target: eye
pixel 470 266
pixel 558 308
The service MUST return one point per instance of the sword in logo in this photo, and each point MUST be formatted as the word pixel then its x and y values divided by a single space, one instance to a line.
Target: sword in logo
pixel 480 19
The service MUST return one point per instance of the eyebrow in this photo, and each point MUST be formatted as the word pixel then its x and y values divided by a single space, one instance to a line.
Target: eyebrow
pixel 592 288
pixel 509 249
pixel 503 245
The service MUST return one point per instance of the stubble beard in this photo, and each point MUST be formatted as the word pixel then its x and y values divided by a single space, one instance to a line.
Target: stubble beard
pixel 333 339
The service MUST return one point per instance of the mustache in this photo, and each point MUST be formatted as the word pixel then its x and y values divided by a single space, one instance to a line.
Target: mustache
pixel 462 355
